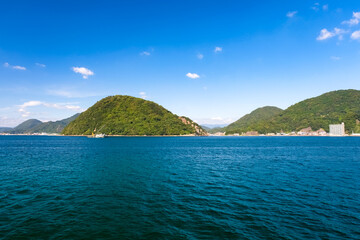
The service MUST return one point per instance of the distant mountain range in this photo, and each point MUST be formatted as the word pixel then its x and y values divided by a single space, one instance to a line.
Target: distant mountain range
pixel 211 126
pixel 5 129
pixel 36 126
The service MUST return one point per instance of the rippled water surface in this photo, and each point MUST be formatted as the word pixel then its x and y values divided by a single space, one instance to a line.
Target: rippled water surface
pixel 179 188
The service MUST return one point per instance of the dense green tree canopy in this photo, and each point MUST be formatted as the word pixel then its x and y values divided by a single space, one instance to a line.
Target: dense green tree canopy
pixel 126 115
pixel 246 123
pixel 318 112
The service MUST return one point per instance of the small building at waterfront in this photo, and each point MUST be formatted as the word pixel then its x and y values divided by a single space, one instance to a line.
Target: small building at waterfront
pixel 337 129
pixel 305 131
pixel 321 132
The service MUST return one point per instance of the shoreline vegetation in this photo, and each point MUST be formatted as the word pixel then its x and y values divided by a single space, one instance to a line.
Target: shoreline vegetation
pixel 189 135
pixel 119 116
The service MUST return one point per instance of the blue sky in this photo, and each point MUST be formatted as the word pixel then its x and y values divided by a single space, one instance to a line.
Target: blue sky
pixel 212 61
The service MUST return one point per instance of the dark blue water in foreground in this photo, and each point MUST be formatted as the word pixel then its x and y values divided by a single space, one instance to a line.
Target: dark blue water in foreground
pixel 179 188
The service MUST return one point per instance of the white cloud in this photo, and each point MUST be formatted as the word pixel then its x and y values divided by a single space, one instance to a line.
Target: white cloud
pixel 218 49
pixel 192 75
pixel 22 108
pixel 40 65
pixel 335 58
pixel 325 34
pixel 355 35
pixel 19 68
pixel 83 71
pixel 145 53
pixel 31 104
pixel 200 56
pixel 291 14
pixel 354 20
pixel 14 67
pixel 143 95
pixel 25 113
pixel 325 7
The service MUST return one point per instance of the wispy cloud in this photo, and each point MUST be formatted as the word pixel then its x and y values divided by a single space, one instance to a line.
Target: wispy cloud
pixel 218 49
pixel 148 52
pixel 326 34
pixel 291 14
pixel 40 65
pixel 143 95
pixel 22 108
pixel 335 58
pixel 355 35
pixel 19 68
pixel 145 53
pixel 200 56
pixel 315 7
pixel 25 113
pixel 16 67
pixel 354 20
pixel 83 71
pixel 192 75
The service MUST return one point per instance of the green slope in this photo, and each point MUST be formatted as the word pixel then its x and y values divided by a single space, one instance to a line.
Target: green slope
pixel 5 129
pixel 247 122
pixel 125 115
pixel 25 126
pixel 205 128
pixel 53 127
pixel 318 112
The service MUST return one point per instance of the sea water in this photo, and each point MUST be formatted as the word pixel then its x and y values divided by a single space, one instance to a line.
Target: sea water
pixel 179 188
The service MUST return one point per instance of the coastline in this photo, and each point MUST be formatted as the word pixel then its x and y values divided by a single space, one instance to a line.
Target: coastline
pixel 114 136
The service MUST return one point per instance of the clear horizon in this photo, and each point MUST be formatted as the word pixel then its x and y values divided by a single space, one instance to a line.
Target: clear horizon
pixel 212 61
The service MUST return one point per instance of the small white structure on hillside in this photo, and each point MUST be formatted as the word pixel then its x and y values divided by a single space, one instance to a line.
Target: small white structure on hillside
pixel 337 129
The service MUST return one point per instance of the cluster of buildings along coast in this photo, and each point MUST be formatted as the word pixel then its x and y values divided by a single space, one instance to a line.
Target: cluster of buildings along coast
pixel 335 130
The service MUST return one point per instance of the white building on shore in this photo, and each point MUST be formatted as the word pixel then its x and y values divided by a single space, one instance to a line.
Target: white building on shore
pixel 337 129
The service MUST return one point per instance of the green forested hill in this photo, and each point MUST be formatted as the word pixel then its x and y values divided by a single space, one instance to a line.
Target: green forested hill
pixel 125 115
pixel 247 122
pixel 25 126
pixel 318 112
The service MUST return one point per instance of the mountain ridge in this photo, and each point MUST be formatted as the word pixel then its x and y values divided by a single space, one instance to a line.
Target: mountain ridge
pixel 36 126
pixel 317 112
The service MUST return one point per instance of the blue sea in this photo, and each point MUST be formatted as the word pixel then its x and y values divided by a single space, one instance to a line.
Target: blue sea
pixel 179 188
